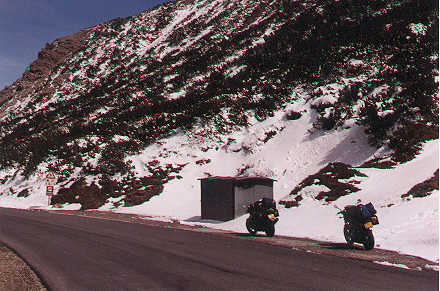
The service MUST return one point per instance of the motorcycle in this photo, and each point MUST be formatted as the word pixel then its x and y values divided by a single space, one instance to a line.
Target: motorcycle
pixel 358 231
pixel 264 221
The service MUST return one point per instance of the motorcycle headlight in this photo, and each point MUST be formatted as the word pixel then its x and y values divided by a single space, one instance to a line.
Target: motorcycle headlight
pixel 368 225
pixel 271 216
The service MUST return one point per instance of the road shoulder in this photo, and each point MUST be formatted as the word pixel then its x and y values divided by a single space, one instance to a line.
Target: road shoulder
pixel 340 249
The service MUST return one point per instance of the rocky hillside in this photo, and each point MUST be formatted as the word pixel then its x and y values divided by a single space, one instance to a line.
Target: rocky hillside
pixel 33 78
pixel 205 69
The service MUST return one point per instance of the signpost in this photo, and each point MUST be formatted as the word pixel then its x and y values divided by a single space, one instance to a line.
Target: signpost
pixel 50 184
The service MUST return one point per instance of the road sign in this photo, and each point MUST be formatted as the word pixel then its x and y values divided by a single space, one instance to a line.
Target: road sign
pixel 51 182
pixel 50 179
pixel 50 175
pixel 49 190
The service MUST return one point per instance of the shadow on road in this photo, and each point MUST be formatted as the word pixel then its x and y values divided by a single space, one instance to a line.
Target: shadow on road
pixel 335 246
pixel 199 219
pixel 240 234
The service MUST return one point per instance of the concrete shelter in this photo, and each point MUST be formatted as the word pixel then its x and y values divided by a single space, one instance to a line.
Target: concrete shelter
pixel 225 198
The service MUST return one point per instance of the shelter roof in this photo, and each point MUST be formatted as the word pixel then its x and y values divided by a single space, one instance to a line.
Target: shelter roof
pixel 238 179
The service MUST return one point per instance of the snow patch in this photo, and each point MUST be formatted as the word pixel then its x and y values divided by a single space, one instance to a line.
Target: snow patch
pixel 418 28
pixel 391 264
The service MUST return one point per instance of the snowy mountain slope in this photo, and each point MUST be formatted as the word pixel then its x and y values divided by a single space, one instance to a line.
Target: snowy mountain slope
pixel 132 112
pixel 409 226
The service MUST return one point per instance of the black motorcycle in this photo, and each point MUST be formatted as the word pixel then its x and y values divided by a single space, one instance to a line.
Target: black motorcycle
pixel 358 229
pixel 263 220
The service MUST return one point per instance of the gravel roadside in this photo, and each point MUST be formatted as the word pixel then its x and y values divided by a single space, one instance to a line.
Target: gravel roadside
pixel 15 274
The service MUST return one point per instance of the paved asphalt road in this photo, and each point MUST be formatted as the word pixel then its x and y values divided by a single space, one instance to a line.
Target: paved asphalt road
pixel 79 253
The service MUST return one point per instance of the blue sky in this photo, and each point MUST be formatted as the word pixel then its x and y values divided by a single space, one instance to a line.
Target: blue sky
pixel 27 25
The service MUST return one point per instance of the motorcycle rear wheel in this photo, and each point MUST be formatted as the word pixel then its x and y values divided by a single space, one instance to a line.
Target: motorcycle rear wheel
pixel 250 227
pixel 348 234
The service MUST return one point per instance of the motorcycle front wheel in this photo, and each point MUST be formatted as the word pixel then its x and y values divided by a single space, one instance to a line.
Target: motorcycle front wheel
pixel 270 230
pixel 369 241
pixel 250 227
